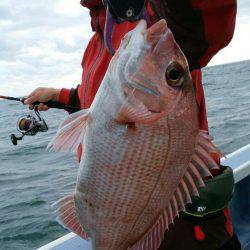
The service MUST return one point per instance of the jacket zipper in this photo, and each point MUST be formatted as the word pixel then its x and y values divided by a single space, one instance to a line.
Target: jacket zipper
pixel 96 60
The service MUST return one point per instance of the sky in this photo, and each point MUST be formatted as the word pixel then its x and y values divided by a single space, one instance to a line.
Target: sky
pixel 42 43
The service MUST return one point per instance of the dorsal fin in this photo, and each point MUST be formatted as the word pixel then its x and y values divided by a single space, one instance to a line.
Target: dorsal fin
pixel 188 185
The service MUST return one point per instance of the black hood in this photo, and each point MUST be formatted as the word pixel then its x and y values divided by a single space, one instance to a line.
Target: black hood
pixel 125 10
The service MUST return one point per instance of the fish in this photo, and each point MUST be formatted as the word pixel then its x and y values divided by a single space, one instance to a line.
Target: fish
pixel 143 155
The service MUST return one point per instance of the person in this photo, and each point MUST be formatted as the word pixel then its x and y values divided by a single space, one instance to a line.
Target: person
pixel 201 28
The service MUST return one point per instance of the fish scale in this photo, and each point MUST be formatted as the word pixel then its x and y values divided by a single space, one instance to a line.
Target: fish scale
pixel 143 153
pixel 139 184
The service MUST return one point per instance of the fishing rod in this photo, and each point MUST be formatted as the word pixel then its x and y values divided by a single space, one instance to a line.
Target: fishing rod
pixel 50 104
pixel 31 124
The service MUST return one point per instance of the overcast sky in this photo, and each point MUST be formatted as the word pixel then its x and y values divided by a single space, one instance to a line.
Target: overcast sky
pixel 42 42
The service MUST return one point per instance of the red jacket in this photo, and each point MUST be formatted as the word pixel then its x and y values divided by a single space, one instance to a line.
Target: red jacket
pixel 200 27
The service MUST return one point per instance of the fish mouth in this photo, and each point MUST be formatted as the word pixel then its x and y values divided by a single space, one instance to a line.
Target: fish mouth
pixel 158 29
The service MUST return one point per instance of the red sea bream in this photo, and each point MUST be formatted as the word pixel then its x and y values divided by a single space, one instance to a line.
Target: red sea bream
pixel 143 153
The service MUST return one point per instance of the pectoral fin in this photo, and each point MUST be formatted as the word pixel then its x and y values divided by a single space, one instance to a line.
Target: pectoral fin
pixel 135 111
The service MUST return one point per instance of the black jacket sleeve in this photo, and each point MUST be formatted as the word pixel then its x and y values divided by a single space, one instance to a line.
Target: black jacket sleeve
pixel 74 100
pixel 200 27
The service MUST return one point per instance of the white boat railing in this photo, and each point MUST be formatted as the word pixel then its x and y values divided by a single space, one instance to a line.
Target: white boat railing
pixel 239 161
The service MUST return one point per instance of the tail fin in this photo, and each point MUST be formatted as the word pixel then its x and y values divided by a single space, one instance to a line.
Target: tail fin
pixel 70 133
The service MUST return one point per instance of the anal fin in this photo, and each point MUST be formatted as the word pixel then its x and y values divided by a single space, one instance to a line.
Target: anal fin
pixel 67 215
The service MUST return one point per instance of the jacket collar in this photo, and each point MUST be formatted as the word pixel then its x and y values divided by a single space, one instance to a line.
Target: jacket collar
pixel 91 3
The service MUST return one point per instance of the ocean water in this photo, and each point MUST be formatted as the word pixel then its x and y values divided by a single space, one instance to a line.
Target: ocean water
pixel 31 179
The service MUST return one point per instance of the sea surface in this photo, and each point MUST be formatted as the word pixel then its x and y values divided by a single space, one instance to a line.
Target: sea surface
pixel 31 179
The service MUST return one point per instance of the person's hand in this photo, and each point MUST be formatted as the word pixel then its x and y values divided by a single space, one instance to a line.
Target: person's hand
pixel 42 95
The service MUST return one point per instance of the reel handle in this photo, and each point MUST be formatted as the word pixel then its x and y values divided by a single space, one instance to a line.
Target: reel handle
pixel 14 139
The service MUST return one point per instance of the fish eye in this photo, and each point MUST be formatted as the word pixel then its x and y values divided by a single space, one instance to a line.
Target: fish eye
pixel 174 75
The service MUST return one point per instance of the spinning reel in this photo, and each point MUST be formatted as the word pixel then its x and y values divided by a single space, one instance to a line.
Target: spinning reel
pixel 29 125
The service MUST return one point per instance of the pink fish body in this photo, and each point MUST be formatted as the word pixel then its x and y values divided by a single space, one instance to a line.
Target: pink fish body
pixel 143 153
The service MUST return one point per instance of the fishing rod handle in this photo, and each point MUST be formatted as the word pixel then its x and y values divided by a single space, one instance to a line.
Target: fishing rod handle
pixel 52 104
